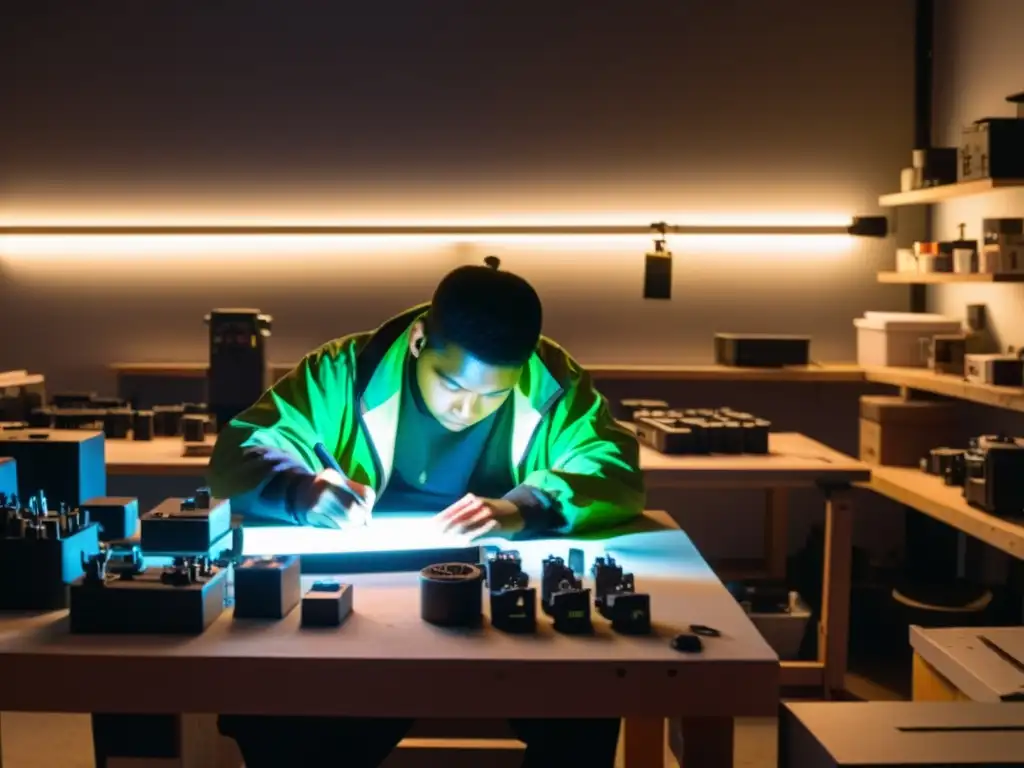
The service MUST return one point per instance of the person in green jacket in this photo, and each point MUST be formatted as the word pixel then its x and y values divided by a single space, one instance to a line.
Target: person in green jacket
pixel 459 408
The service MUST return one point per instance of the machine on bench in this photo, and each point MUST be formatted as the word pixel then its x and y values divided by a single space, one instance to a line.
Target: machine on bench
pixel 41 552
pixel 701 431
pixel 194 544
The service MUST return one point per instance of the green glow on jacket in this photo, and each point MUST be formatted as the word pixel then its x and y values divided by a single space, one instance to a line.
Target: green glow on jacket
pixel 564 439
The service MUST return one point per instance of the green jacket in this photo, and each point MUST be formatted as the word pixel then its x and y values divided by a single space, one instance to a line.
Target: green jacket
pixel 346 395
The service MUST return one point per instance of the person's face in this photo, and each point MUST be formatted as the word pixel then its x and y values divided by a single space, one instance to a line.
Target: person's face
pixel 459 390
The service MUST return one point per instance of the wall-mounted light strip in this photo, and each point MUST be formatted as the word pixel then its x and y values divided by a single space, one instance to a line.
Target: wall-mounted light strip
pixel 452 230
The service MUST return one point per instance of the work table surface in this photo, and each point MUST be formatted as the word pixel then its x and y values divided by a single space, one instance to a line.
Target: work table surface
pixel 384 649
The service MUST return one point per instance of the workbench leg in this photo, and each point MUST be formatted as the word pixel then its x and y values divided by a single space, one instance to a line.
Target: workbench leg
pixel 702 742
pixel 644 742
pixel 776 531
pixel 834 628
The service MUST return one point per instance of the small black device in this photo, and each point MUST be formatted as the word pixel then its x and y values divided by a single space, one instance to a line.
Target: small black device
pixel 69 465
pixel 564 599
pixel 514 607
pixel 687 642
pixel 41 552
pixel 185 525
pixel 502 568
pixel 992 148
pixel 117 423
pixel 947 463
pixel 451 594
pixel 117 516
pixel 994 476
pixel 513 602
pixel 935 166
pixel 267 587
pixel 237 375
pixel 658 266
pixel 167 420
pixel 142 425
pixel 119 595
pixel 616 598
pixel 193 427
pixel 761 350
pixel 326 604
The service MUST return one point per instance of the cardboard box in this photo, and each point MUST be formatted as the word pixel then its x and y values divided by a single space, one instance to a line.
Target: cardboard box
pixel 897 432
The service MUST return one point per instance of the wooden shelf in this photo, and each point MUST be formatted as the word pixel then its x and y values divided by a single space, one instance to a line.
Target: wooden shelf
pixel 930 495
pixel 922 278
pixel 947 192
pixel 848 372
pixel 924 380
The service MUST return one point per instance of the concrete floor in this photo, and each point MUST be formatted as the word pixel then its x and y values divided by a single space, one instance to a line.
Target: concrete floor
pixel 65 741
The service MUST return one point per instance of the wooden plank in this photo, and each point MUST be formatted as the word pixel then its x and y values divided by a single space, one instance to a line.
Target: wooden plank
pixel 947 192
pixel 930 495
pixel 970 664
pixel 159 456
pixel 793 460
pixel 825 372
pixel 644 742
pixel 1010 398
pixel 802 674
pixel 930 278
pixel 928 685
pixel 834 627
pixel 236 662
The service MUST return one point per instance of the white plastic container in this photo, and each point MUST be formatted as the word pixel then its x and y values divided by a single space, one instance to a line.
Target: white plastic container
pixel 784 632
pixel 895 338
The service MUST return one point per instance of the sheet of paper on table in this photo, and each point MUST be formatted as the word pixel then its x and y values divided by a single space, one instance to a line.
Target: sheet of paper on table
pixel 399 533
pixel 389 533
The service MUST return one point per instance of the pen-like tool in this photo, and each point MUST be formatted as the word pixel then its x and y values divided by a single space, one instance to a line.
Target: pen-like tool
pixel 329 462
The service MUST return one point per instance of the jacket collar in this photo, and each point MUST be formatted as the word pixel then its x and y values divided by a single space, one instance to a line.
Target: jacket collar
pixel 533 396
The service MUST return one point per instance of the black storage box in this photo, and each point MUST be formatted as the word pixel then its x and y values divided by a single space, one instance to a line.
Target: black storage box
pixel 756 350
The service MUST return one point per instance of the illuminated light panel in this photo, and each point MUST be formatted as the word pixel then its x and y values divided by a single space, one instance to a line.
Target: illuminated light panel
pixel 393 533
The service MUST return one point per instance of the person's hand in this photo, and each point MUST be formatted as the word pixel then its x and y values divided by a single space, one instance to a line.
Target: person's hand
pixel 476 516
pixel 335 501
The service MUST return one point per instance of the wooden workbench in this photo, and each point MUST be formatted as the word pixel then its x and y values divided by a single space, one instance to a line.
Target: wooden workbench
pixel 232 666
pixel 794 461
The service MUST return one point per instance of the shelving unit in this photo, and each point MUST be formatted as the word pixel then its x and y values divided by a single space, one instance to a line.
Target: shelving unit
pixel 930 495
pixel 924 380
pixel 947 192
pixel 933 278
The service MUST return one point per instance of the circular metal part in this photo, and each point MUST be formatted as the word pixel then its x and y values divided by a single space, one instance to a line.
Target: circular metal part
pixel 451 594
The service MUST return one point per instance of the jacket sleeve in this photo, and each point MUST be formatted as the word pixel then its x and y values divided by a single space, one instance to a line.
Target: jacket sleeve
pixel 594 479
pixel 265 453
